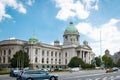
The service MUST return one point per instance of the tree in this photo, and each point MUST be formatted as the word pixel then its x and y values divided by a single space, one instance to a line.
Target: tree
pixel 20 60
pixel 118 63
pixel 98 61
pixel 75 62
pixel 108 61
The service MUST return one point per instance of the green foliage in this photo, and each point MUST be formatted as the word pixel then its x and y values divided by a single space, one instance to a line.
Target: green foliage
pixel 20 60
pixel 98 61
pixel 88 66
pixel 2 72
pixel 108 61
pixel 75 62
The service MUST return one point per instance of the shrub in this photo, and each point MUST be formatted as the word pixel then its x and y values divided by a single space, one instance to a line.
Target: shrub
pixel 88 66
pixel 2 72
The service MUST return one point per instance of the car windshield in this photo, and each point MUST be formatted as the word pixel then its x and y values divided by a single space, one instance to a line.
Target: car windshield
pixel 35 72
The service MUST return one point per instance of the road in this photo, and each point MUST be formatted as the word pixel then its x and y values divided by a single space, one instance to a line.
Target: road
pixel 81 75
pixel 91 75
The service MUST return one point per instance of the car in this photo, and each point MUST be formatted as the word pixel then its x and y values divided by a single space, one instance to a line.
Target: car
pixel 112 69
pixel 75 69
pixel 37 75
pixel 115 69
pixel 15 73
pixel 109 70
pixel 45 69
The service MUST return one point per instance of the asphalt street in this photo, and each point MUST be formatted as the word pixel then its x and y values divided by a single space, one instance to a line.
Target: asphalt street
pixel 91 75
pixel 81 75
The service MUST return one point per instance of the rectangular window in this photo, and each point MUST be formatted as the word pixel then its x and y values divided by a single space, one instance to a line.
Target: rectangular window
pixel 59 54
pixel 55 54
pixel 47 53
pixel 65 61
pixel 43 52
pixel 36 51
pixel 51 53
pixel 66 54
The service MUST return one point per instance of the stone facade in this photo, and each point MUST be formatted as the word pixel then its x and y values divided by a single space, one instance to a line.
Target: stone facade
pixel 43 55
pixel 116 57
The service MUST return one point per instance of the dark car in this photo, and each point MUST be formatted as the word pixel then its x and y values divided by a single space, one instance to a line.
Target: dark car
pixel 37 75
pixel 15 73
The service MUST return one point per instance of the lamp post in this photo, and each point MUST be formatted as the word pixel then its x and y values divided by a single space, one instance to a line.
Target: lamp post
pixel 102 63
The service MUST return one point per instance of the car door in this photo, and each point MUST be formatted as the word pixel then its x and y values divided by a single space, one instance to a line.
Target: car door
pixel 43 75
pixel 35 75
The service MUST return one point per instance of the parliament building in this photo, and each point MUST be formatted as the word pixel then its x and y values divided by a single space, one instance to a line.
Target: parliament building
pixel 44 55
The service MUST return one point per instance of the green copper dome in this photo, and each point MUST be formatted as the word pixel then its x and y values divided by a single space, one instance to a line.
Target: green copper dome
pixel 85 42
pixel 71 28
pixel 56 41
pixel 33 39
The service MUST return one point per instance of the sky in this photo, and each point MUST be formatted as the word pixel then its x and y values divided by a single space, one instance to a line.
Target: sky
pixel 98 21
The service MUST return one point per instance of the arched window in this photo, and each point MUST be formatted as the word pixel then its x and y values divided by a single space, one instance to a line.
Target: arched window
pixel 47 66
pixel 36 59
pixel 43 66
pixel 9 52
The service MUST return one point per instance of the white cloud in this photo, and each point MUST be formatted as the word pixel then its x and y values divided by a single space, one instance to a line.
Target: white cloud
pixel 30 2
pixel 91 4
pixel 3 13
pixel 75 8
pixel 109 35
pixel 12 4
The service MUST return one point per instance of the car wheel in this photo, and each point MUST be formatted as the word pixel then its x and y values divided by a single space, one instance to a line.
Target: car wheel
pixel 52 78
pixel 29 79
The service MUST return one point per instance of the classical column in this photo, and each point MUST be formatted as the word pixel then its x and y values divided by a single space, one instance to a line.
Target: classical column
pixel 83 55
pixel 87 57
pixel 80 54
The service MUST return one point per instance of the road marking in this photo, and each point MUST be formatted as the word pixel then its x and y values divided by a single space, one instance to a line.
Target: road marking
pixel 97 79
pixel 117 76
pixel 112 78
pixel 88 79
pixel 84 76
pixel 105 78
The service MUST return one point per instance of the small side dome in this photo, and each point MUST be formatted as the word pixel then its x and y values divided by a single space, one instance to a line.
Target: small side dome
pixel 56 41
pixel 33 39
pixel 85 42
pixel 71 28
